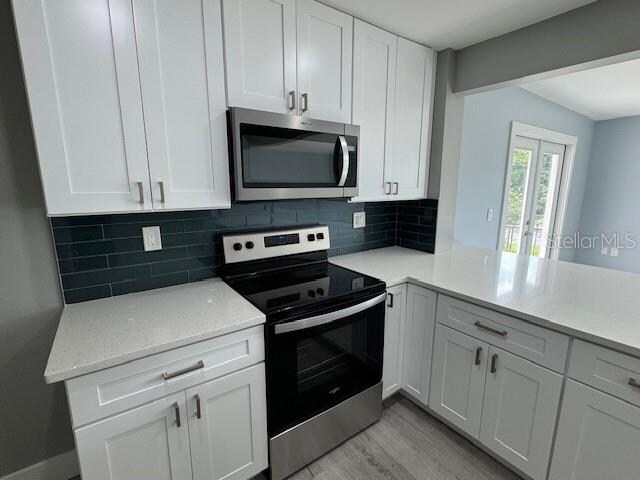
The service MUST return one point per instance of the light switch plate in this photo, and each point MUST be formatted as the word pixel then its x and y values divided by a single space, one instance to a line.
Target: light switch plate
pixel 359 219
pixel 151 238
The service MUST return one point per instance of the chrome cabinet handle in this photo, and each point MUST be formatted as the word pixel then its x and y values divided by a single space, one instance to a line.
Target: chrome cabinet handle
pixel 387 188
pixel 634 383
pixel 198 407
pixel 292 100
pixel 390 302
pixel 395 188
pixel 494 361
pixel 162 197
pixel 169 376
pixel 478 353
pixel 502 333
pixel 140 193
pixel 304 102
pixel 176 407
pixel 345 160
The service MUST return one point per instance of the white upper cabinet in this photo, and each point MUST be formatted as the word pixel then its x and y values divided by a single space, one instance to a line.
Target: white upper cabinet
pixel 289 56
pixel 412 127
pixel 81 71
pixel 260 44
pixel 392 103
pixel 325 45
pixel 374 82
pixel 127 103
pixel 182 77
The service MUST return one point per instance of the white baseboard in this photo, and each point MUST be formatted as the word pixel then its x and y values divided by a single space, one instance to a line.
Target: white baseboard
pixel 60 467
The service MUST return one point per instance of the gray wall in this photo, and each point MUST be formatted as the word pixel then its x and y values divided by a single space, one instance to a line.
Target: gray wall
pixel 483 159
pixel 34 423
pixel 612 197
pixel 580 38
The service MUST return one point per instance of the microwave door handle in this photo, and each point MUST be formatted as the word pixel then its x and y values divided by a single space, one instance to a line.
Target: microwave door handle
pixel 345 160
pixel 328 317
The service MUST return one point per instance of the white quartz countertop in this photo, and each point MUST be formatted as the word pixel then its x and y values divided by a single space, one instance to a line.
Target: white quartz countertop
pixel 103 333
pixel 591 303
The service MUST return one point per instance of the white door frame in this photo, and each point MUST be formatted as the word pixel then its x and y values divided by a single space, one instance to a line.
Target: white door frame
pixel 519 129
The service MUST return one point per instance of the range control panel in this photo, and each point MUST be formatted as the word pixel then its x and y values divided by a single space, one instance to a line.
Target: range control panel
pixel 274 243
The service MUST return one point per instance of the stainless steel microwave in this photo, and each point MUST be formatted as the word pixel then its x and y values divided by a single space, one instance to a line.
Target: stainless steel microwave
pixel 277 156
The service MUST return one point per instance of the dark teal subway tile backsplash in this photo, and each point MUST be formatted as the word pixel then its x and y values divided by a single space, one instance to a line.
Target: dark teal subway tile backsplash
pixel 103 255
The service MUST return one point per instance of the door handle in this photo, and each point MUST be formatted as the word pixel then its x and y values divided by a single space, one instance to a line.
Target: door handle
pixel 140 193
pixel 304 102
pixel 198 407
pixel 176 408
pixel 395 189
pixel 292 100
pixel 162 197
pixel 390 302
pixel 502 333
pixel 494 361
pixel 345 160
pixel 387 188
pixel 478 357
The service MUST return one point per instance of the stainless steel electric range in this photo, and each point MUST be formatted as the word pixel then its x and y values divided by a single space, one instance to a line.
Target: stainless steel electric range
pixel 324 340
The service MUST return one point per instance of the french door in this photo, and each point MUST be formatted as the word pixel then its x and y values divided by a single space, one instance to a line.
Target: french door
pixel 531 196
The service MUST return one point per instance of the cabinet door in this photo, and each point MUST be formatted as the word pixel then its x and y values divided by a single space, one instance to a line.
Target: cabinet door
pixel 457 378
pixel 520 410
pixel 394 324
pixel 325 44
pixel 145 443
pixel 374 79
pixel 413 110
pixel 260 47
pixel 598 437
pixel 182 78
pixel 418 342
pixel 228 426
pixel 86 108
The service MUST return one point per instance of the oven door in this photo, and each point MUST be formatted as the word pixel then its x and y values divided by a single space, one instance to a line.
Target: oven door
pixel 278 156
pixel 314 363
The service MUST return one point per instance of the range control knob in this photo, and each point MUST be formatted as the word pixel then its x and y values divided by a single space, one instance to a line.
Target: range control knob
pixel 311 237
pixel 320 291
pixel 311 293
pixel 237 246
pixel 249 245
pixel 320 236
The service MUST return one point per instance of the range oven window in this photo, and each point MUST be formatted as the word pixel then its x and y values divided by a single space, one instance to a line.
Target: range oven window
pixel 282 158
pixel 313 369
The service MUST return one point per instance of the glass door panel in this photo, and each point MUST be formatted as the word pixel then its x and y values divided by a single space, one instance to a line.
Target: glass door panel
pixel 516 208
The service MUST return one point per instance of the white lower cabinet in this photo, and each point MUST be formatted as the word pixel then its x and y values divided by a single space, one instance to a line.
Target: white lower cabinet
pixel 394 325
pixel 520 409
pixel 418 342
pixel 598 437
pixel 458 377
pixel 145 443
pixel 209 432
pixel 228 426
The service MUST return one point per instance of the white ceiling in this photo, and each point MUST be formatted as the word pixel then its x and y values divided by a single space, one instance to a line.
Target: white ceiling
pixel 454 24
pixel 600 94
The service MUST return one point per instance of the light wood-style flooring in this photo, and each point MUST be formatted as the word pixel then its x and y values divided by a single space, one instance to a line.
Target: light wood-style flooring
pixel 406 444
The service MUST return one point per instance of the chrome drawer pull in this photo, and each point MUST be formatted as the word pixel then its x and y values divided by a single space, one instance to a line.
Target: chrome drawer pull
pixel 169 376
pixel 502 333
pixel 634 383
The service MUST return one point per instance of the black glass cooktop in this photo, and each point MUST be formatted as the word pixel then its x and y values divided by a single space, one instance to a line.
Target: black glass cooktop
pixel 306 287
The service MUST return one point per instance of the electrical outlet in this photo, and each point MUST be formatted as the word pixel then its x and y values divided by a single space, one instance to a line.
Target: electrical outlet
pixel 490 215
pixel 359 219
pixel 151 238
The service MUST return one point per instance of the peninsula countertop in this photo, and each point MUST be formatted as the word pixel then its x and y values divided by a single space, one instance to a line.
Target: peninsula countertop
pixel 592 303
pixel 104 333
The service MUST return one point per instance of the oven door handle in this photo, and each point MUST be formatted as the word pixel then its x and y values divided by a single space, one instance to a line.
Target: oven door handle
pixel 328 317
pixel 344 148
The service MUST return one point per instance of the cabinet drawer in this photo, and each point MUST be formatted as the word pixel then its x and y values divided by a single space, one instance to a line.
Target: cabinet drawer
pixel 116 389
pixel 538 344
pixel 613 372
